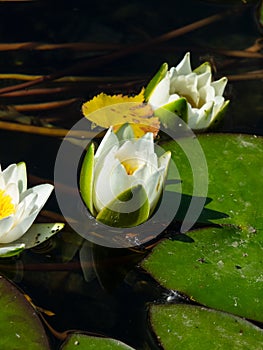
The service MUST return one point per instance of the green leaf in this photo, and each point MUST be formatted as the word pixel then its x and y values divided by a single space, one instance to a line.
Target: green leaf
pixel 86 342
pixel 8 250
pixel 155 80
pixel 235 168
pixel 130 208
pixel 20 326
pixel 218 267
pixel 166 113
pixel 86 178
pixel 187 327
pixel 38 233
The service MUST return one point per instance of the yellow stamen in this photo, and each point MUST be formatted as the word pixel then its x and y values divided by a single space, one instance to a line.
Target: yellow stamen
pixel 131 165
pixel 6 206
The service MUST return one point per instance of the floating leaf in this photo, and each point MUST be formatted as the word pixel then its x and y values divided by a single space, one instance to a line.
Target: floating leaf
pixel 103 100
pixel 235 168
pixel 86 342
pixel 38 233
pixel 218 267
pixel 105 110
pixel 187 327
pixel 20 326
pixel 8 250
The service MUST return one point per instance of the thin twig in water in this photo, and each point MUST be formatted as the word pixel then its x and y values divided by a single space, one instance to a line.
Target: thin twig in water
pixel 39 130
pixel 95 62
pixel 44 106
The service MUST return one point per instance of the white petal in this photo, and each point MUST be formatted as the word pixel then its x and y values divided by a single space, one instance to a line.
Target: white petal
pixel 102 193
pixel 2 181
pixel 12 190
pixel 173 97
pixel 219 102
pixel 139 151
pixel 5 226
pixel 43 192
pixel 186 86
pixel 26 206
pixel 164 161
pixel 21 177
pixel 10 174
pixel 204 79
pixel 207 93
pixel 184 67
pixel 154 188
pixel 205 116
pixel 160 94
pixel 119 181
pixel 192 116
pixel 18 230
pixel 219 86
pixel 143 174
pixel 108 141
pixel 19 212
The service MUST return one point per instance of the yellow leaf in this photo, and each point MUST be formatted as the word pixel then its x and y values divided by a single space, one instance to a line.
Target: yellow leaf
pixel 105 110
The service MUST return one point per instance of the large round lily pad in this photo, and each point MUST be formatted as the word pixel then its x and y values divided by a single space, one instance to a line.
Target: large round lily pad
pixel 218 267
pixel 86 342
pixel 187 327
pixel 235 174
pixel 20 327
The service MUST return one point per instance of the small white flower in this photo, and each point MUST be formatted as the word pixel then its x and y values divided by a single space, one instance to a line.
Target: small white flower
pixel 19 206
pixel 122 183
pixel 191 94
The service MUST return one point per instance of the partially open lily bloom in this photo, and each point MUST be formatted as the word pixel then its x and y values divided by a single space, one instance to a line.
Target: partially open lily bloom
pixel 190 94
pixel 19 206
pixel 122 182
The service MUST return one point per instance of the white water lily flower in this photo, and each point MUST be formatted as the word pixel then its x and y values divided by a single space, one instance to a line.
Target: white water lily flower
pixel 19 206
pixel 122 183
pixel 190 94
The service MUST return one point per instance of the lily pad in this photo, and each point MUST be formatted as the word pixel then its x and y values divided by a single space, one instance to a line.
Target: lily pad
pixel 218 267
pixel 38 233
pixel 20 326
pixel 86 342
pixel 235 169
pixel 193 327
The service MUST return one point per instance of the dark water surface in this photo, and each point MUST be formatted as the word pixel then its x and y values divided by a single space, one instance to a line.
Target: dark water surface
pixel 114 300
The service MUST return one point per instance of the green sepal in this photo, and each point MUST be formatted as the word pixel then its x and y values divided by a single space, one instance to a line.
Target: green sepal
pixel 203 68
pixel 87 178
pixel 166 112
pixel 6 251
pixel 118 213
pixel 125 132
pixel 219 116
pixel 155 80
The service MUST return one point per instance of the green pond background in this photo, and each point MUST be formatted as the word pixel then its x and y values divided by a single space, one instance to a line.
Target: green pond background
pixel 113 300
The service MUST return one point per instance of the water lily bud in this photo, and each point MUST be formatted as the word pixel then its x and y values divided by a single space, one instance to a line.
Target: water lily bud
pixel 121 184
pixel 190 94
pixel 19 206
